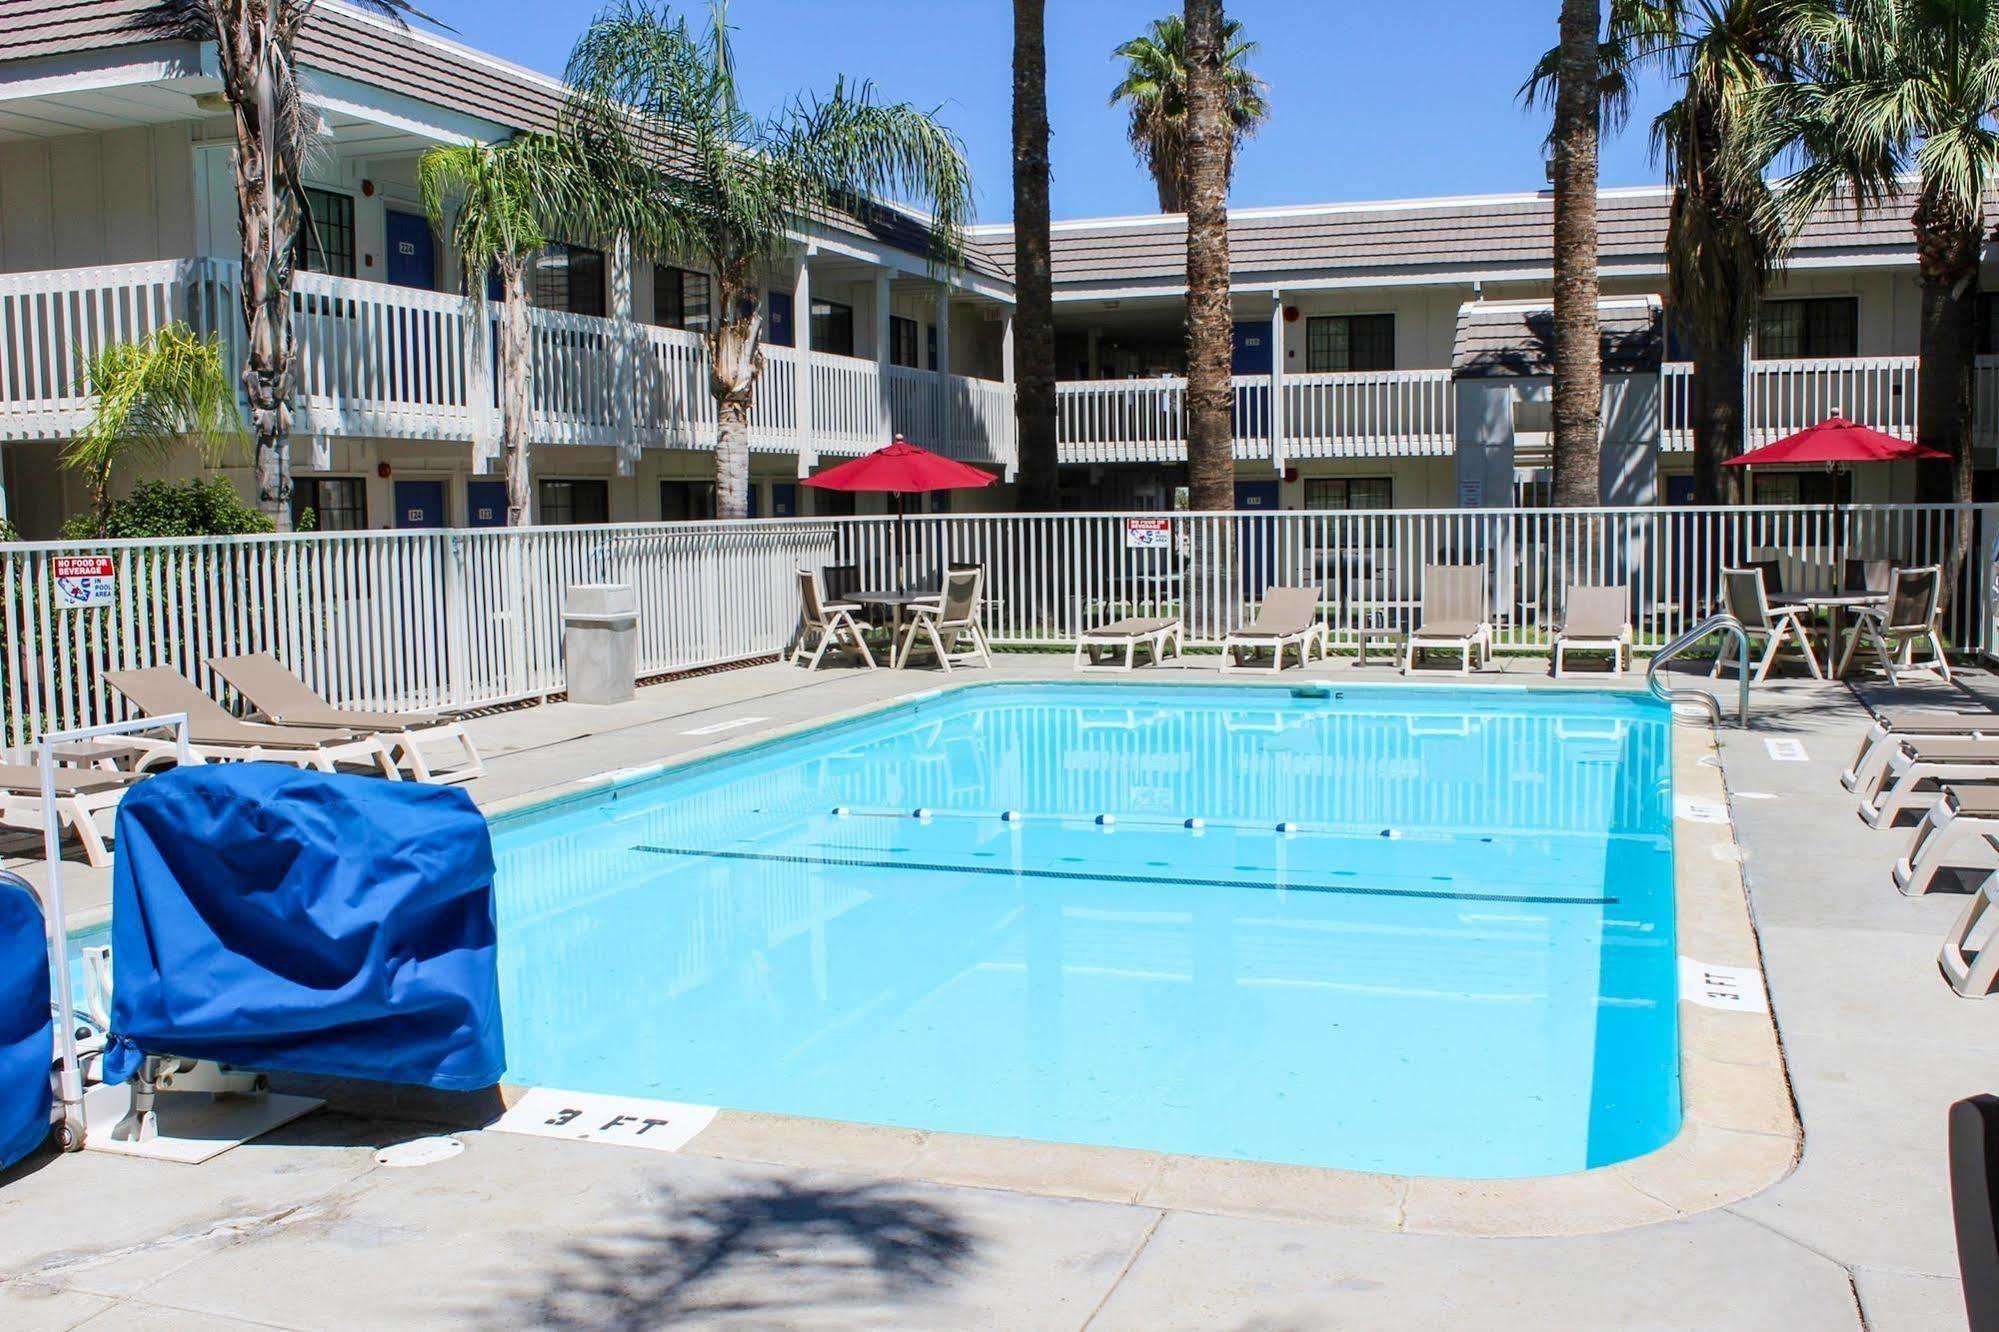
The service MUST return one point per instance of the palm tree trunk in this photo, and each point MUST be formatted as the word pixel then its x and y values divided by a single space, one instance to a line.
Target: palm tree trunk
pixel 1947 257
pixel 1578 391
pixel 1210 431
pixel 1717 414
pixel 1034 302
pixel 735 358
pixel 514 405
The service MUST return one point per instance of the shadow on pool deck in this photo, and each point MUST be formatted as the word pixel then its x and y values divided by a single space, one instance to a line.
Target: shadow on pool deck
pixel 718 1257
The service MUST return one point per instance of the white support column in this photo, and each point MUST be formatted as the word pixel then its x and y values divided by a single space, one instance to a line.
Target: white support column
pixel 946 426
pixel 1277 382
pixel 885 424
pixel 801 337
pixel 626 350
pixel 1006 346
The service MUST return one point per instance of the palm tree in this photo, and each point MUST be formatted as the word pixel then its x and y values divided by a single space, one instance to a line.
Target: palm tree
pixel 150 398
pixel 1578 352
pixel 1908 87
pixel 1033 276
pixel 500 201
pixel 274 135
pixel 1723 240
pixel 1210 432
pixel 1154 89
pixel 734 191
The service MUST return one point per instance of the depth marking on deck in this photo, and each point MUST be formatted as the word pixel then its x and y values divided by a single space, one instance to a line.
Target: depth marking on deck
pixel 627 1121
pixel 1786 750
pixel 1087 876
pixel 716 728
pixel 1689 810
pixel 1736 989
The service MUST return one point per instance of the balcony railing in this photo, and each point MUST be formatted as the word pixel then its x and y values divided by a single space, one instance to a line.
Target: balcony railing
pixel 379 361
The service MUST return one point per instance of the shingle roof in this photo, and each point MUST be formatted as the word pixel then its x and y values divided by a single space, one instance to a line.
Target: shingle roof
pixel 1506 339
pixel 340 40
pixel 1510 232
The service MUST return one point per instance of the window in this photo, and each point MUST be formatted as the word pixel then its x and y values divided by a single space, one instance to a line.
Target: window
pixel 1349 492
pixel 326 234
pixel 686 501
pixel 1814 487
pixel 901 341
pixel 566 503
pixel 833 327
pixel 568 277
pixel 1350 342
pixel 1822 326
pixel 679 298
pixel 338 503
pixel 833 503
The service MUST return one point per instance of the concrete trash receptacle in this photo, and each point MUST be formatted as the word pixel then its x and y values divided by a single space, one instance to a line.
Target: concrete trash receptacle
pixel 600 642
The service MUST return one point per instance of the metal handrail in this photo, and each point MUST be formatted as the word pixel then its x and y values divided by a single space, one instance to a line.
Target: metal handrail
pixel 1713 624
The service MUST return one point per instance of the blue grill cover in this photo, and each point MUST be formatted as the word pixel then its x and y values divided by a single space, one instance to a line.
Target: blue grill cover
pixel 297 921
pixel 27 1032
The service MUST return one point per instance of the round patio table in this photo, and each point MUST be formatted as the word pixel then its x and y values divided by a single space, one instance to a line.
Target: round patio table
pixel 1835 605
pixel 895 603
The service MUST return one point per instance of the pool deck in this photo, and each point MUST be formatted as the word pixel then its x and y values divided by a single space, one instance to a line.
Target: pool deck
pixel 303 1229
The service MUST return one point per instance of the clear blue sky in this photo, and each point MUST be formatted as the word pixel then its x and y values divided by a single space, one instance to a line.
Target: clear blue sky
pixel 1370 99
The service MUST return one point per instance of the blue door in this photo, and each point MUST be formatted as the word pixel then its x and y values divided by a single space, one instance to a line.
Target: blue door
pixel 779 334
pixel 412 251
pixel 421 504
pixel 485 504
pixel 1260 495
pixel 1256 537
pixel 1251 351
pixel 1250 354
pixel 783 499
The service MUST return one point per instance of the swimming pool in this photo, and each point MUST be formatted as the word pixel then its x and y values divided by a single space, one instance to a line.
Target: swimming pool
pixel 1407 929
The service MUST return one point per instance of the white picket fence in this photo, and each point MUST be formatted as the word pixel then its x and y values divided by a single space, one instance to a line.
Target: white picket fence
pixel 470 618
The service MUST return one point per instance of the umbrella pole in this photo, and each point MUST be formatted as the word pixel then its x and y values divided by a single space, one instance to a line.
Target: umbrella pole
pixel 901 555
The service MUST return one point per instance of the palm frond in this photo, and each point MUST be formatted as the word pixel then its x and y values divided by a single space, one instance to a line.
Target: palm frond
pixel 151 397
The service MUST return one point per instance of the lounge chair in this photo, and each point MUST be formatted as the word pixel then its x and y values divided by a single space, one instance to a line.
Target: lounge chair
pixel 1972 972
pixel 1911 615
pixel 1288 617
pixel 1156 634
pixel 283 699
pixel 1745 595
pixel 1962 812
pixel 1596 619
pixel 1920 767
pixel 1889 729
pixel 1454 616
pixel 952 618
pixel 81 794
pixel 827 625
pixel 213 734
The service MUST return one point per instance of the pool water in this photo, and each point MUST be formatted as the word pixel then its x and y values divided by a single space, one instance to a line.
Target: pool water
pixel 1457 958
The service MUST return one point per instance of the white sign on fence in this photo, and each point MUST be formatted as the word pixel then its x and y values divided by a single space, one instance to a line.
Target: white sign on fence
pixel 1148 533
pixel 83 581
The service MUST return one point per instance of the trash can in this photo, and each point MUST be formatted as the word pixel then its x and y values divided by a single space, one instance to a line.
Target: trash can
pixel 600 642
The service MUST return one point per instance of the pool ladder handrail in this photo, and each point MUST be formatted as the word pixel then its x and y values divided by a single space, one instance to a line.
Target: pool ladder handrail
pixel 1713 624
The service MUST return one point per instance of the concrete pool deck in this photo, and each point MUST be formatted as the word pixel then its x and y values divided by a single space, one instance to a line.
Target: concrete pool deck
pixel 303 1229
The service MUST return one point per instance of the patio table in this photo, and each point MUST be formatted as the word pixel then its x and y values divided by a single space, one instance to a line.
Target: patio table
pixel 894 603
pixel 1835 605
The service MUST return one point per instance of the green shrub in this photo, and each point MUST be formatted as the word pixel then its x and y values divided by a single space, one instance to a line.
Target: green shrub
pixel 163 509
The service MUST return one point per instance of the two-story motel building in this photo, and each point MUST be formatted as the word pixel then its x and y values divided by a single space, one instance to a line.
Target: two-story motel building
pixel 1387 354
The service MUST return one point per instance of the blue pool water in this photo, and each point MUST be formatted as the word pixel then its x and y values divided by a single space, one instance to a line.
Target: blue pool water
pixel 1460 963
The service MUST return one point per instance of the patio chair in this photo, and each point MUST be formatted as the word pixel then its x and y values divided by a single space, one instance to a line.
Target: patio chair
pixel 1155 634
pixel 1594 619
pixel 1972 970
pixel 283 699
pixel 827 625
pixel 1866 577
pixel 1918 770
pixel 947 621
pixel 1744 593
pixel 81 795
pixel 1288 617
pixel 1454 616
pixel 1885 735
pixel 214 735
pixel 1913 614
pixel 1962 813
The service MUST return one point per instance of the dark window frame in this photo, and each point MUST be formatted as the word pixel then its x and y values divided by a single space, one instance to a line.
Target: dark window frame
pixel 550 512
pixel 689 490
pixel 1368 343
pixel 1826 326
pixel 682 298
pixel 1318 490
pixel 830 317
pixel 902 342
pixel 306 494
pixel 577 259
pixel 325 240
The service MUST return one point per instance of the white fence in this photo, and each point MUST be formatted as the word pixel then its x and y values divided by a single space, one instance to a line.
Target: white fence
pixel 461 619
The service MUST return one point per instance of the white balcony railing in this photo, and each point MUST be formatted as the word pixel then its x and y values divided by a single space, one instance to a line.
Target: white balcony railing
pixel 1786 396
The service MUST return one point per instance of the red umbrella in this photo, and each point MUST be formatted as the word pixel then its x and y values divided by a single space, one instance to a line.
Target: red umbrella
pixel 1836 442
pixel 902 469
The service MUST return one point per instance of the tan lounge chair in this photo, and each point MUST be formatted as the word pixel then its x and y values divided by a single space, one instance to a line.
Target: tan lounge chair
pixel 952 618
pixel 1455 616
pixel 1155 634
pixel 81 795
pixel 1889 729
pixel 1961 813
pixel 1920 767
pixel 213 734
pixel 827 626
pixel 283 699
pixel 1594 619
pixel 1289 617
pixel 1912 615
